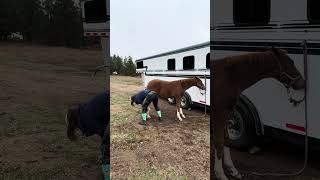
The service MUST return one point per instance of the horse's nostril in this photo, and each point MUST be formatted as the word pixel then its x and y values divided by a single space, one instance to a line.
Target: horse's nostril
pixel 300 84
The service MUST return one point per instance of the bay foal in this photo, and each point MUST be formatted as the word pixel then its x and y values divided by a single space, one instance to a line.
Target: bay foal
pixel 175 89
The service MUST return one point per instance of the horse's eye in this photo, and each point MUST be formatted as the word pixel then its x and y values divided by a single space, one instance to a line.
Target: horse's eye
pixel 291 62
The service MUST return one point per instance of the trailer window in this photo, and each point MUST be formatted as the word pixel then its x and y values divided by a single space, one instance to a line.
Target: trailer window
pixel 95 11
pixel 188 62
pixel 171 64
pixel 139 64
pixel 251 12
pixel 208 61
pixel 313 11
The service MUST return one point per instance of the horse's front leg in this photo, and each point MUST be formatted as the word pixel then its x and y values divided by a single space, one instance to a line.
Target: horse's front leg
pixel 181 112
pixel 178 101
pixel 218 136
pixel 229 164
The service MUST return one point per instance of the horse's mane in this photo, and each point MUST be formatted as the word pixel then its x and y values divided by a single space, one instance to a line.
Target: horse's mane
pixel 256 59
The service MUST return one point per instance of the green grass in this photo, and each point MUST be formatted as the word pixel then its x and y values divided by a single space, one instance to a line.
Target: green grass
pixel 127 112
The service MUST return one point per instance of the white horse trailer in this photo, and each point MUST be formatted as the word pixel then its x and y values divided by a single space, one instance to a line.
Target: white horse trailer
pixel 239 27
pixel 96 23
pixel 180 64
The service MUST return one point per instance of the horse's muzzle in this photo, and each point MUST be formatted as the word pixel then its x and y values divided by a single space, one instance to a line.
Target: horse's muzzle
pixel 299 84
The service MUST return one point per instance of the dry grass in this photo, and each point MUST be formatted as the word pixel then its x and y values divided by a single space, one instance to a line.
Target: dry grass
pixel 37 85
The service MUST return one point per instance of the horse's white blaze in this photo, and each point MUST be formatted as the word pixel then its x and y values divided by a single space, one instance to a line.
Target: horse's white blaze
pixel 228 162
pixel 218 168
pixel 181 112
pixel 178 115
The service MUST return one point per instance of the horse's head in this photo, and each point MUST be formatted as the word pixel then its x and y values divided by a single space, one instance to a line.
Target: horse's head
pixel 72 122
pixel 199 83
pixel 287 72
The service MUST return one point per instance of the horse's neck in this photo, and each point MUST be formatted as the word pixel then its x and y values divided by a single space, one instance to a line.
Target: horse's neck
pixel 187 83
pixel 260 66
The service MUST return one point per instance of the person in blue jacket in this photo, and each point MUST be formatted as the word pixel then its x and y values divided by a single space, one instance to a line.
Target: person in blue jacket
pixel 145 97
pixel 92 117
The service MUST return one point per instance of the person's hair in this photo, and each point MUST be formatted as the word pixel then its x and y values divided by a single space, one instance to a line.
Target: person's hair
pixel 132 100
pixel 72 118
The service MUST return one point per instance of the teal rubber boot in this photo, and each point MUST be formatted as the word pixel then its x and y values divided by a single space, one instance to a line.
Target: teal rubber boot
pixel 144 118
pixel 106 171
pixel 159 115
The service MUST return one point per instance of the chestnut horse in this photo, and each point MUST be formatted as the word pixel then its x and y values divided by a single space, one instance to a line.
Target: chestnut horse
pixel 174 89
pixel 231 76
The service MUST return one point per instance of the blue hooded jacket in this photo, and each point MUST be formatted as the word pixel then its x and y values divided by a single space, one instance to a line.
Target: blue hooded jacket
pixel 140 96
pixel 95 115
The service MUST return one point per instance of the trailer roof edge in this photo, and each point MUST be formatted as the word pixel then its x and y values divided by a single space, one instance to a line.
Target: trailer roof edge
pixel 197 46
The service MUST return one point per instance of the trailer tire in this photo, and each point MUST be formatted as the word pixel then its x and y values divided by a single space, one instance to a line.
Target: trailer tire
pixel 185 101
pixel 240 127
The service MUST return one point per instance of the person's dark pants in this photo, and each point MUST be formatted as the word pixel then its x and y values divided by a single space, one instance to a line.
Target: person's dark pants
pixel 151 97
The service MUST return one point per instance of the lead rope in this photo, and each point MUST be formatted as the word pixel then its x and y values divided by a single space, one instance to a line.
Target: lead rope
pixel 205 99
pixel 306 148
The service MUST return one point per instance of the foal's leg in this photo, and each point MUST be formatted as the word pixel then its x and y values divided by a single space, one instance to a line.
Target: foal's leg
pixel 181 112
pixel 178 101
pixel 229 164
pixel 219 118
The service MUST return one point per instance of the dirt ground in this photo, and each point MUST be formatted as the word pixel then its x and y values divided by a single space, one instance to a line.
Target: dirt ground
pixel 37 84
pixel 179 150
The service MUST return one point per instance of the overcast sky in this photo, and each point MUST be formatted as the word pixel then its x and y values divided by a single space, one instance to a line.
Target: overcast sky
pixel 141 28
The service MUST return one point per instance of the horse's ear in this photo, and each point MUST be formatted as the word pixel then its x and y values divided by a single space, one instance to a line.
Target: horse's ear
pixel 275 50
pixel 283 51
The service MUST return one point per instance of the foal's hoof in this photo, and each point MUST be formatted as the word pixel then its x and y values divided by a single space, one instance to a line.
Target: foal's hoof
pixel 180 119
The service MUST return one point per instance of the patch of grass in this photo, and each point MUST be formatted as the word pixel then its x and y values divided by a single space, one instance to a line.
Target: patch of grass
pixel 27 119
pixel 126 113
pixel 127 137
pixel 126 80
pixel 31 173
pixel 24 63
pixel 153 173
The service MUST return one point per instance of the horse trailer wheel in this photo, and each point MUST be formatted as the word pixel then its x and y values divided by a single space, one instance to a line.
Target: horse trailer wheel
pixel 185 103
pixel 240 127
pixel 171 101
